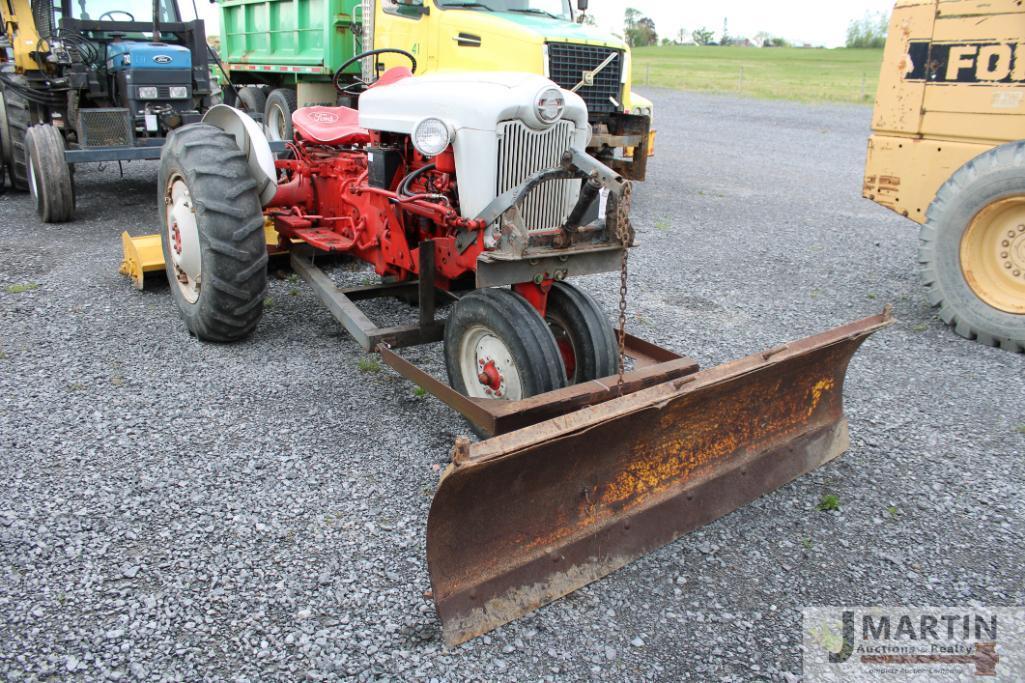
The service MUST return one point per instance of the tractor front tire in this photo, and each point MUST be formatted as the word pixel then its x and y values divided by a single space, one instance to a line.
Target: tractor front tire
pixel 497 346
pixel 277 116
pixel 49 175
pixel 972 249
pixel 215 253
pixel 588 347
pixel 14 124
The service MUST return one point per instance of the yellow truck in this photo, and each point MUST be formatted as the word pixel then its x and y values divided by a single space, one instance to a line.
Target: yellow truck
pixel 948 152
pixel 281 55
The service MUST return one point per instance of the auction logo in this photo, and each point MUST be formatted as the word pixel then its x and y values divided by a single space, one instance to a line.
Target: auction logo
pixel 903 644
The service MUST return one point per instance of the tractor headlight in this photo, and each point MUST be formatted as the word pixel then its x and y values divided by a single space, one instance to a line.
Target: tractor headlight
pixel 148 93
pixel 431 137
pixel 179 92
pixel 550 105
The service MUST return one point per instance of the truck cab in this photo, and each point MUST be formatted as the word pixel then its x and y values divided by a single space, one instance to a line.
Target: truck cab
pixel 533 36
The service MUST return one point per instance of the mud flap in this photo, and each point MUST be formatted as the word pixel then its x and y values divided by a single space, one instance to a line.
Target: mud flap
pixel 525 518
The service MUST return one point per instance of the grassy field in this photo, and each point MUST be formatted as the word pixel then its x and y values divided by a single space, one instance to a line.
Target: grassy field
pixel 807 75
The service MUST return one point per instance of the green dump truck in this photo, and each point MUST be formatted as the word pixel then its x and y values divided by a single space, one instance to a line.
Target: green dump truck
pixel 284 54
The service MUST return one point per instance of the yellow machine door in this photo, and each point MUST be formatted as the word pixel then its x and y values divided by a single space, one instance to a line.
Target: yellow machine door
pixel 406 25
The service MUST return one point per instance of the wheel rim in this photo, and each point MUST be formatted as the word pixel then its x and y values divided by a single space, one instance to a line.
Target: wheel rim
pixel 276 124
pixel 567 350
pixel 183 239
pixel 993 255
pixel 487 366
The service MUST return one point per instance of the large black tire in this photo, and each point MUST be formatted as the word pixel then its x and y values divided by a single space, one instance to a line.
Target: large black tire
pixel 277 115
pixel 579 324
pixel 229 218
pixel 518 325
pixel 994 176
pixel 50 180
pixel 14 123
pixel 252 99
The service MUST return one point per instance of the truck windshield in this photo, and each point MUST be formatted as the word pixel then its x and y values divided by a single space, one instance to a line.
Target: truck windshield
pixel 556 9
pixel 123 10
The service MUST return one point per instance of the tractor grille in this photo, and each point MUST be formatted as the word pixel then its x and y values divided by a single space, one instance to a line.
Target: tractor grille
pixel 522 152
pixel 567 65
pixel 105 128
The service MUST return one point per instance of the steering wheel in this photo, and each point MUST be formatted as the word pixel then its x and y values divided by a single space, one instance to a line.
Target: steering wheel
pixel 347 89
pixel 131 17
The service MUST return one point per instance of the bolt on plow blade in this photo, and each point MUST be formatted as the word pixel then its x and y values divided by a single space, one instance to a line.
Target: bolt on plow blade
pixel 525 518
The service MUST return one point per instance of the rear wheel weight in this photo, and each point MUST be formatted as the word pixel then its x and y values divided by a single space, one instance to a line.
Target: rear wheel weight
pixel 277 117
pixel 498 347
pixel 965 266
pixel 49 176
pixel 210 203
pixel 581 329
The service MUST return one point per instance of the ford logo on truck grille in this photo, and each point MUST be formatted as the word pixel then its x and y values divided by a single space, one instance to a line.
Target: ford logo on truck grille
pixel 163 59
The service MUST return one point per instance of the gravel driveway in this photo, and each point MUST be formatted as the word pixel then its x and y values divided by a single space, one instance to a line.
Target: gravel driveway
pixel 176 510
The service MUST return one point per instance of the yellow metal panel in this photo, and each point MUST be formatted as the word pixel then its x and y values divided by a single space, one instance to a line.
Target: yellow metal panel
pixel 904 173
pixel 899 102
pixel 998 100
pixel 20 26
pixel 975 8
pixel 977 127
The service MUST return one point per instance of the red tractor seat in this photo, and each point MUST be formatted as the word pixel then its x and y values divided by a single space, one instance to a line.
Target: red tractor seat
pixel 330 125
pixel 393 75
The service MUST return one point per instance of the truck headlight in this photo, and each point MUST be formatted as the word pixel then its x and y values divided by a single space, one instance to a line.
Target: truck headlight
pixel 431 137
pixel 147 93
pixel 179 92
pixel 550 105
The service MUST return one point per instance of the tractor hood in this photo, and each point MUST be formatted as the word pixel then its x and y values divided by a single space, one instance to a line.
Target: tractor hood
pixel 139 55
pixel 528 28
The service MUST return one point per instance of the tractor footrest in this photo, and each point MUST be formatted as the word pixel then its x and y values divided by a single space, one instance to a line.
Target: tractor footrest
pixel 323 239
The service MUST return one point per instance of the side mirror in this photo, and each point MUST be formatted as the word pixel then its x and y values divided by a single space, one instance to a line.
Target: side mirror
pixel 582 5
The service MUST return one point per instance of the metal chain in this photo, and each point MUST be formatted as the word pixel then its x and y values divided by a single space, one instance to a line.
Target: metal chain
pixel 623 233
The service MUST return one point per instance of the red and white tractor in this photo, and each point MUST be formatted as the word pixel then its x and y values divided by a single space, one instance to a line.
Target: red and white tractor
pixel 476 187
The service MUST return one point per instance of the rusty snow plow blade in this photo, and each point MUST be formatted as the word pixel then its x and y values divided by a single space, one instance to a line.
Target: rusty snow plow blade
pixel 525 518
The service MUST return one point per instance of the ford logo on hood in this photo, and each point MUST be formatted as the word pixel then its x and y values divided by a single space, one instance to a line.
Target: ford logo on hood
pixel 163 59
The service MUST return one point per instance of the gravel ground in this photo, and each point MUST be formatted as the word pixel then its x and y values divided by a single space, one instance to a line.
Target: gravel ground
pixel 175 510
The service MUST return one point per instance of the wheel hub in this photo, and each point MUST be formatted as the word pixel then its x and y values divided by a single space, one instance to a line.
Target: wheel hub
pixel 183 238
pixel 487 366
pixel 993 255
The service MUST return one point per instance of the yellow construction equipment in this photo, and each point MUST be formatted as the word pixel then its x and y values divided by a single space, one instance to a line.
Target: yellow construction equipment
pixel 948 152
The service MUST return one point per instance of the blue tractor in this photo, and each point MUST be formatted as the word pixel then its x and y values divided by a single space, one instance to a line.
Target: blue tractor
pixel 94 80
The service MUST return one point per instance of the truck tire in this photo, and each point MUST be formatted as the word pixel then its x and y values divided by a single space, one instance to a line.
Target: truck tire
pixel 972 249
pixel 215 253
pixel 252 100
pixel 277 116
pixel 589 349
pixel 14 123
pixel 498 347
pixel 49 176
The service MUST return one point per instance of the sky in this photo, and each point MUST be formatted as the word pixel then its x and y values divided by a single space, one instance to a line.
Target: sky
pixel 820 22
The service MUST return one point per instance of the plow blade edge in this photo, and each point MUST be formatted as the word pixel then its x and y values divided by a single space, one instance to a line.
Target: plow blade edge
pixel 525 518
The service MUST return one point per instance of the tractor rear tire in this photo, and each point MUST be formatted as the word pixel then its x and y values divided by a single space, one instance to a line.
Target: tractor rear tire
pixel 583 333
pixel 972 249
pixel 252 99
pixel 14 124
pixel 49 175
pixel 498 332
pixel 202 167
pixel 277 116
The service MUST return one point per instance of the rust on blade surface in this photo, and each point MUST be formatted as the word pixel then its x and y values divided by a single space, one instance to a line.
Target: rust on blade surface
pixel 525 518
